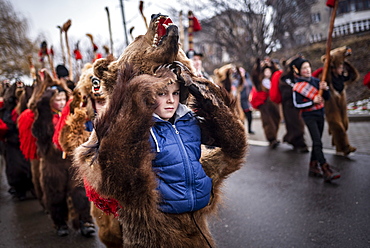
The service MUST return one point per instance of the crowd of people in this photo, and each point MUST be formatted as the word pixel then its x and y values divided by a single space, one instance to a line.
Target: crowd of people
pixel 59 140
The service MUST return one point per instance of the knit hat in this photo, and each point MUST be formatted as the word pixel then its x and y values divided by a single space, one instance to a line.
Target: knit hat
pixel 296 65
pixel 62 71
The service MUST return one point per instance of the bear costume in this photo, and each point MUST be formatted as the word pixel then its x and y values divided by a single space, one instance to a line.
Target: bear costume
pixel 336 106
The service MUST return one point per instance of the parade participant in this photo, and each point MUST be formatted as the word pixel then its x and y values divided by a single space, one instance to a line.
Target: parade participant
pixel 244 97
pixel 197 61
pixel 164 192
pixel 306 97
pixel 57 178
pixel 18 169
pixel 270 114
pixel 294 125
pixel 341 74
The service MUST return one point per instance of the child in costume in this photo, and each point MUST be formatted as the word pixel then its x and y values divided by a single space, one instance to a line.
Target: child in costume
pixel 164 193
pixel 306 97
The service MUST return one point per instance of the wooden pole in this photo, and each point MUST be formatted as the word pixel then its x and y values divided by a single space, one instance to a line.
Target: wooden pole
pixel 190 34
pixel 61 44
pixel 182 36
pixel 110 31
pixel 66 26
pixel 325 70
pixel 141 7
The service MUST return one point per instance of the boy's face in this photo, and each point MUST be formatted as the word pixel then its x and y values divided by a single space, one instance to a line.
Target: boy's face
pixel 168 101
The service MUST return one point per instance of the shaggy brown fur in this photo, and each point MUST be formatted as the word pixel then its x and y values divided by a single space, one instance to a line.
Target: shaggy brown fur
pixel 118 164
pixel 336 106
pixel 224 77
pixel 270 114
pixel 143 55
pixel 74 134
pixel 56 173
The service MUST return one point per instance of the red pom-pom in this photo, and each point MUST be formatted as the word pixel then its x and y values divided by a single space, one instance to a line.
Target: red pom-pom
pixel 330 3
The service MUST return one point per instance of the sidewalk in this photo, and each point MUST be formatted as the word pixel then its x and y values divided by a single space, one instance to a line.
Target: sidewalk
pixel 358 134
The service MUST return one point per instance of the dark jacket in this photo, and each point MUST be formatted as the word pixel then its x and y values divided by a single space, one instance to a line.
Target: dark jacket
pixel 306 104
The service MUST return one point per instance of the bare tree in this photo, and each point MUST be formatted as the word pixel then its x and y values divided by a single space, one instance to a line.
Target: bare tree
pixel 14 44
pixel 248 29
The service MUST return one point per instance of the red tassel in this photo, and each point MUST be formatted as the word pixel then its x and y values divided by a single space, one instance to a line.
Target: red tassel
pixel 275 94
pixel 317 73
pixel 78 55
pixel 95 47
pixel 3 129
pixel 196 25
pixel 59 126
pixel 367 80
pixel 28 141
pixel 330 3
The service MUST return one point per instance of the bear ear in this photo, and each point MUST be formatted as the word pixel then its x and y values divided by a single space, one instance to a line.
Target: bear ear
pixel 323 58
pixel 100 66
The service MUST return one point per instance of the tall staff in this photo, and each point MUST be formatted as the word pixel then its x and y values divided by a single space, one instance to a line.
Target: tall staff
pixel 110 30
pixel 65 28
pixel 190 34
pixel 61 44
pixel 141 9
pixel 334 5
pixel 182 36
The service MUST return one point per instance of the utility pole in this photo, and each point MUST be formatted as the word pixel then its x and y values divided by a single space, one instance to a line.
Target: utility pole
pixel 124 21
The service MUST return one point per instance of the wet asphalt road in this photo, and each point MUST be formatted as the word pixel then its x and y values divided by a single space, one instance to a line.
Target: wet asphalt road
pixel 270 202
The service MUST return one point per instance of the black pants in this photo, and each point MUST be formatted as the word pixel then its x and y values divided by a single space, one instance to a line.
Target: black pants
pixel 315 125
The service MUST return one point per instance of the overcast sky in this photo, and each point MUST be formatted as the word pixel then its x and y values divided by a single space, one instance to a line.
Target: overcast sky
pixel 88 16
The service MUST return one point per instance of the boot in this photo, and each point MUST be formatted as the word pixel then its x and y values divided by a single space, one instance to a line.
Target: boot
pixel 87 229
pixel 328 173
pixel 62 231
pixel 314 169
pixel 349 150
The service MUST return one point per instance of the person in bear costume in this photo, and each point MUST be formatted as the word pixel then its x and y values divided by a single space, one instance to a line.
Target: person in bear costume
pixel 340 74
pixel 123 171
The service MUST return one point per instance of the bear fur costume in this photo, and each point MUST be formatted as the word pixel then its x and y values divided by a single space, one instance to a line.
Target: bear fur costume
pixel 336 107
pixel 123 170
pixel 17 168
pixel 295 127
pixel 25 122
pixel 158 46
pixel 224 77
pixel 270 114
pixel 85 95
pixel 56 174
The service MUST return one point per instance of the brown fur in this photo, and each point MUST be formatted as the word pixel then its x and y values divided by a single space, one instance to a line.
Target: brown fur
pixel 336 106
pixel 270 114
pixel 74 134
pixel 118 164
pixel 143 56
pixel 56 175
pixel 224 77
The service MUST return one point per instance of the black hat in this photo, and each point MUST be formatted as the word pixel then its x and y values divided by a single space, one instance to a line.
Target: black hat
pixel 191 53
pixel 62 71
pixel 296 65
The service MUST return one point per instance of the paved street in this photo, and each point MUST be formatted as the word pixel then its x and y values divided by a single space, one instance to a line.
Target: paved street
pixel 270 202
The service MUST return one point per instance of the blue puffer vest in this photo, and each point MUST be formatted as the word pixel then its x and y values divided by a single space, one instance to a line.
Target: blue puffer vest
pixel 182 182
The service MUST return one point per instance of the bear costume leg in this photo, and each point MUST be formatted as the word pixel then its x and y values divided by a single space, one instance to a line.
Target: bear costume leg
pixel 270 121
